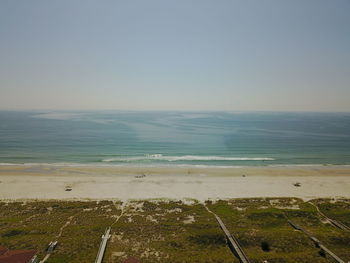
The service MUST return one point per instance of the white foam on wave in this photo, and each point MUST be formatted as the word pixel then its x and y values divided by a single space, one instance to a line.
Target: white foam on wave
pixel 306 165
pixel 46 164
pixel 8 164
pixel 169 158
pixel 163 165
pixel 111 164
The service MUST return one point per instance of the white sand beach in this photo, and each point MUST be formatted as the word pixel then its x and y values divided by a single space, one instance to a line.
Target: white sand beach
pixel 201 183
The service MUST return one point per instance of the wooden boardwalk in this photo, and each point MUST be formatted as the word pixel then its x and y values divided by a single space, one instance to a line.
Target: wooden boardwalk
pixel 103 245
pixel 317 242
pixel 232 241
pixel 334 222
pixel 338 224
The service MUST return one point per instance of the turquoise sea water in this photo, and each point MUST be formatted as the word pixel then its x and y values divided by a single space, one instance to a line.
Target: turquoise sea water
pixel 174 138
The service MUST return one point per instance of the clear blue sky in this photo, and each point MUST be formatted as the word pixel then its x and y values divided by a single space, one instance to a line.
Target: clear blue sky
pixel 175 55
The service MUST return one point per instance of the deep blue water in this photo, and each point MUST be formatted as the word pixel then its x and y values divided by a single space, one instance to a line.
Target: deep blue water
pixel 185 138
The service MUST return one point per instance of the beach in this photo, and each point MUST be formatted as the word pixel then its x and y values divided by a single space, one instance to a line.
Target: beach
pixel 79 182
pixel 165 213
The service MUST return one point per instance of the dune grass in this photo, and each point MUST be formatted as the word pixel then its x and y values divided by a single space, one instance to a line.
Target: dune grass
pixel 175 231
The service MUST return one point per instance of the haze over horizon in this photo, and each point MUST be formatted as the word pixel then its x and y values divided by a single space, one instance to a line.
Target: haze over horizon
pixel 175 55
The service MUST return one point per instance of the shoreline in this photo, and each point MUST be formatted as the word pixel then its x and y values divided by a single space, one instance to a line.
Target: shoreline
pixel 163 165
pixel 47 182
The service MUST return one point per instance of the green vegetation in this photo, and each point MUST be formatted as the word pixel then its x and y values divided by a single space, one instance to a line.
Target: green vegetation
pixel 339 210
pixel 176 231
pixel 168 232
pixel 262 223
pixel 76 225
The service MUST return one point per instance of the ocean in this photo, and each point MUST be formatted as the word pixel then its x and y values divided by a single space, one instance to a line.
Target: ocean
pixel 174 138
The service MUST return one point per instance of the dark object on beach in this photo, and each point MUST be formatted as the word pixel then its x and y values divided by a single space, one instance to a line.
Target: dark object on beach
pixel 297 184
pixel 68 188
pixel 140 176
pixel 243 175
pixel 132 260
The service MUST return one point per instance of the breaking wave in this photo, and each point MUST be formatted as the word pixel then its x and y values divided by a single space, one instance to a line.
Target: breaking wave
pixel 168 158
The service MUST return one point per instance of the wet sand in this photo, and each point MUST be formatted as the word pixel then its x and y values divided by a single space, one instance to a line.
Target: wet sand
pixel 201 183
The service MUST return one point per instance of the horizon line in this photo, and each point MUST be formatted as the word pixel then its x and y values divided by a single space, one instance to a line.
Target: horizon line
pixel 176 110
